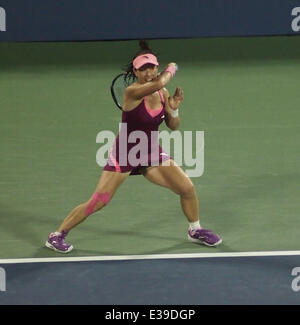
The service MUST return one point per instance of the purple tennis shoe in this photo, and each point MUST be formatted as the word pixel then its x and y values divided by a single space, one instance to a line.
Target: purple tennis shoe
pixel 56 241
pixel 204 236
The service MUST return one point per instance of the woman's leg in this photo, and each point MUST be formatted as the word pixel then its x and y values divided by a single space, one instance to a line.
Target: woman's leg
pixel 106 188
pixel 171 176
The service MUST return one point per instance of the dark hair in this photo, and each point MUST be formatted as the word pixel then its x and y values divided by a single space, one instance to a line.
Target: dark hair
pixel 129 74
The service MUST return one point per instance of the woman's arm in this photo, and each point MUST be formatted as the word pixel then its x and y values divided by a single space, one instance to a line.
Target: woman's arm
pixel 172 103
pixel 139 91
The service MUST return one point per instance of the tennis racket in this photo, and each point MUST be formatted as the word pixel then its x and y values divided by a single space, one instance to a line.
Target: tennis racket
pixel 117 89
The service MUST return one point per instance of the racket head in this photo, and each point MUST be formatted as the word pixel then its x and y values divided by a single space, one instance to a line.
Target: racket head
pixel 117 89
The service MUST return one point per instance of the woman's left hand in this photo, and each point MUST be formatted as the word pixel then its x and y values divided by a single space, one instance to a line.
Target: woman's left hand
pixel 176 99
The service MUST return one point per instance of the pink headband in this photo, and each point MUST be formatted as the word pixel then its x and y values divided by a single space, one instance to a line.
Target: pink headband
pixel 144 59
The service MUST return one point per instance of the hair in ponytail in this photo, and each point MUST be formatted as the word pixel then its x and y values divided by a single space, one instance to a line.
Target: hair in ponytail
pixel 129 74
pixel 144 46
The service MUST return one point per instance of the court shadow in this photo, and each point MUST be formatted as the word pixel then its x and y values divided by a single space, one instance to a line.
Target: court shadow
pixel 44 252
pixel 22 225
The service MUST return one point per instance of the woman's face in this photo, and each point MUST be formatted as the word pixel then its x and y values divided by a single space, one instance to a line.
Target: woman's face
pixel 146 73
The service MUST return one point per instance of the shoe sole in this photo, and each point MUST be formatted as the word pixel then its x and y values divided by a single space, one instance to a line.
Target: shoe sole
pixel 199 241
pixel 47 244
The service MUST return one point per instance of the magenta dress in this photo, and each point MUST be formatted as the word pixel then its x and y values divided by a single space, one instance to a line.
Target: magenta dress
pixel 137 144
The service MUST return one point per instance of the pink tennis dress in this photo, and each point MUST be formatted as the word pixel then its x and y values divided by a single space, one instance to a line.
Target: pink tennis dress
pixel 137 144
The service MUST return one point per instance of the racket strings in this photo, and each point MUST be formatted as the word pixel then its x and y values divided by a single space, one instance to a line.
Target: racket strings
pixel 119 84
pixel 119 89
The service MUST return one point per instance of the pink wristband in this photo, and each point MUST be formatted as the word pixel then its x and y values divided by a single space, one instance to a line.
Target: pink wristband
pixel 172 69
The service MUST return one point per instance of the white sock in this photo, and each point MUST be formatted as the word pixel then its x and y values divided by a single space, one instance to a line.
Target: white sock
pixel 57 233
pixel 195 225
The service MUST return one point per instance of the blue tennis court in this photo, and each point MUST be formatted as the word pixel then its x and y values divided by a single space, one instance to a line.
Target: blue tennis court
pixel 179 280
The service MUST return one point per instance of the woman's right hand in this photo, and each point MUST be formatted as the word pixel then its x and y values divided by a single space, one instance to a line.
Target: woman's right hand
pixel 172 68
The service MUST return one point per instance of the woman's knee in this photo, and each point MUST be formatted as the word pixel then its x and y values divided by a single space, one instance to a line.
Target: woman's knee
pixel 96 202
pixel 187 190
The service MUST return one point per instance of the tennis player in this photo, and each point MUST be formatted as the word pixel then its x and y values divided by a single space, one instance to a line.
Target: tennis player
pixel 146 104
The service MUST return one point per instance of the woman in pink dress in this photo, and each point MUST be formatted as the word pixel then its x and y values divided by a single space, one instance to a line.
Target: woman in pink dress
pixel 146 104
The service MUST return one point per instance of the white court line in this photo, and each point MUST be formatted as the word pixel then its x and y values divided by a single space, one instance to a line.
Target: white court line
pixel 145 257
